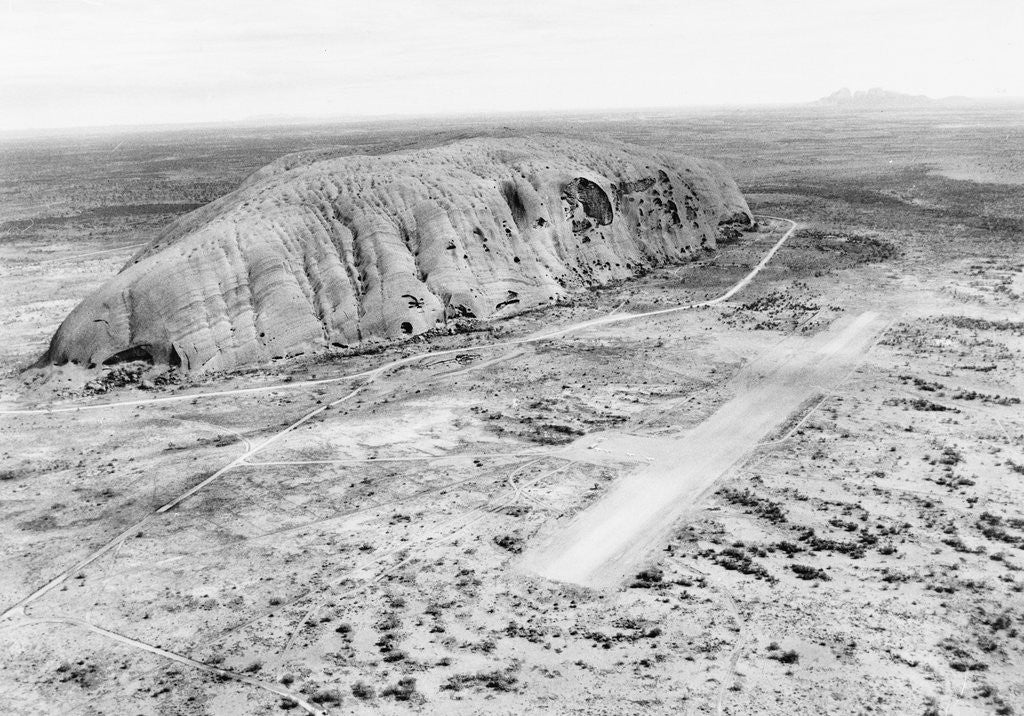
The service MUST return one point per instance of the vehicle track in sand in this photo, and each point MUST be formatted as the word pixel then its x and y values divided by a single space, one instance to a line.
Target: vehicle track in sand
pixel 17 610
pixel 215 671
pixel 512 492
pixel 373 373
pixel 608 541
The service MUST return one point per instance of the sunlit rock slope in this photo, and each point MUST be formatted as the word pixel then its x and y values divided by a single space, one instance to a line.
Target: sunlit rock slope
pixel 315 250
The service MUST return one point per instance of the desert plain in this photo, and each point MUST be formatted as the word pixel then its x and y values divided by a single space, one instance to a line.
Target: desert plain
pixel 686 492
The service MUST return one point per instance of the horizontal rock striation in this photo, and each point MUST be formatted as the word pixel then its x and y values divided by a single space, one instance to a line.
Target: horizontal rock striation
pixel 314 251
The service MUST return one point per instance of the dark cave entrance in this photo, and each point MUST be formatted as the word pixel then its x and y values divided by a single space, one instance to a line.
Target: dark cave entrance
pixel 129 355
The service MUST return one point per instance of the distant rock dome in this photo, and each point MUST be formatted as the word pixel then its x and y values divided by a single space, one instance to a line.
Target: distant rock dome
pixel 317 250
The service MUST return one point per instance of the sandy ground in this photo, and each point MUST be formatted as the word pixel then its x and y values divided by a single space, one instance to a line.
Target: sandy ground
pixel 856 550
pixel 609 541
pixel 40 288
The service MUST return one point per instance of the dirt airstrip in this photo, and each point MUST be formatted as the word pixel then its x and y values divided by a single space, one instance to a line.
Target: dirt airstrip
pixel 801 499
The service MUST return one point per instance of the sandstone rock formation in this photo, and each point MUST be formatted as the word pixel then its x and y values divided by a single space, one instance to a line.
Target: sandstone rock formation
pixel 315 250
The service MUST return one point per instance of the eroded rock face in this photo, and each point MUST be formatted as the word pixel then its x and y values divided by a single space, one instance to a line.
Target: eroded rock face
pixel 314 251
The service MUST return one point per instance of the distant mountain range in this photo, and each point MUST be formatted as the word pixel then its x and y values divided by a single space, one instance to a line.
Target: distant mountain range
pixel 878 98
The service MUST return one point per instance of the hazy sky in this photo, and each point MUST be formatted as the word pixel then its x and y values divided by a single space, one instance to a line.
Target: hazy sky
pixel 96 62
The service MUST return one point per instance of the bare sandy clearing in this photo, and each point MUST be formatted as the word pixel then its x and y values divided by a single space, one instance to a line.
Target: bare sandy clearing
pixel 608 541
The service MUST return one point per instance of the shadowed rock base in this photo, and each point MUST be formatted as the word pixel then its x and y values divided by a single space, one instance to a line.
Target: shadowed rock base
pixel 314 251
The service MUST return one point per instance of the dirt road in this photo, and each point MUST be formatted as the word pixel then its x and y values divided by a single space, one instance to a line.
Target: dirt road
pixel 274 688
pixel 370 376
pixel 365 378
pixel 610 540
pixel 373 373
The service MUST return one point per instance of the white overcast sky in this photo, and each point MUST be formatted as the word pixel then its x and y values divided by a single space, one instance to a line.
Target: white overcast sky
pixel 98 62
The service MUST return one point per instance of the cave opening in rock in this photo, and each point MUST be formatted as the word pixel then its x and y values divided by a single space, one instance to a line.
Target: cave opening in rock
pixel 595 202
pixel 128 355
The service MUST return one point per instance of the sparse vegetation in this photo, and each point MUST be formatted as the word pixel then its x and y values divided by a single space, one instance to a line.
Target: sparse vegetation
pixel 787 656
pixel 503 680
pixel 804 571
pixel 403 690
pixel 648 578
pixel 363 691
pixel 763 507
pixel 511 543
pixel 884 508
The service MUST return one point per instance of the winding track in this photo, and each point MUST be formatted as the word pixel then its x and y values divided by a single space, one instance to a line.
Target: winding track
pixel 215 671
pixel 374 373
pixel 17 609
pixel 371 375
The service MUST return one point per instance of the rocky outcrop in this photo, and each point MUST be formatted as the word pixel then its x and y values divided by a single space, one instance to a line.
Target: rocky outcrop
pixel 314 251
pixel 877 98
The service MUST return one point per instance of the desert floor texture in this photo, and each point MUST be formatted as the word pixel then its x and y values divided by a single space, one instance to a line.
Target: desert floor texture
pixel 802 498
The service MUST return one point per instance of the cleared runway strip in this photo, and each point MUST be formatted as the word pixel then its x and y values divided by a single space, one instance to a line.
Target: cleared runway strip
pixel 611 539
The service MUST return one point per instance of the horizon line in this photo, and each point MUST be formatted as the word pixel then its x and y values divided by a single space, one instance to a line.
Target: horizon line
pixel 270 120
